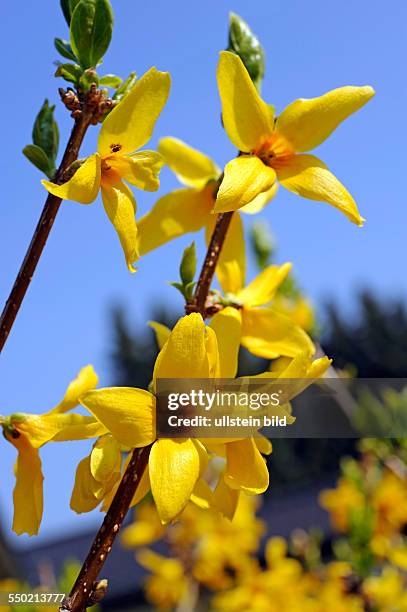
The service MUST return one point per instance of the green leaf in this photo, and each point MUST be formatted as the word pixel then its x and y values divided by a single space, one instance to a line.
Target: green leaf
pixel 125 87
pixel 246 45
pixel 38 157
pixel 187 268
pixel 70 72
pixel 45 132
pixel 111 80
pixel 68 7
pixel 91 31
pixel 178 286
pixel 64 48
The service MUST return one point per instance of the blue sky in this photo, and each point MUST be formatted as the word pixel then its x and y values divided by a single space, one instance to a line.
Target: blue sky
pixel 311 47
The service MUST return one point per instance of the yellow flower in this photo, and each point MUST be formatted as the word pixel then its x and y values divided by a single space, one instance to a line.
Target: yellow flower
pixel 340 502
pixel 273 149
pixel 127 128
pixel 265 331
pixel 28 432
pixel 189 210
pixel 167 585
pixel 175 466
pixel 129 414
pixel 97 474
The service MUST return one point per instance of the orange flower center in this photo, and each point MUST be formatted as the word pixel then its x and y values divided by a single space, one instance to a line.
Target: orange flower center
pixel 275 151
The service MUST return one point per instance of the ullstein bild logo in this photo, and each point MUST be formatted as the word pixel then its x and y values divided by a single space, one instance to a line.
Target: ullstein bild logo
pixel 289 408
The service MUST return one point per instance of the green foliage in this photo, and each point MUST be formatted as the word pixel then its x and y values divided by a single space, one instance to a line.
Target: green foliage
pixel 45 135
pixel 374 340
pixel 38 158
pixel 262 243
pixel 70 72
pixel 68 7
pixel 64 48
pixel 45 131
pixel 187 272
pixel 91 31
pixel 110 80
pixel 246 45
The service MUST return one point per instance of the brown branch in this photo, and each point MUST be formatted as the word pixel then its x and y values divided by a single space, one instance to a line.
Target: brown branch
pixel 86 591
pixel 93 103
pixel 198 302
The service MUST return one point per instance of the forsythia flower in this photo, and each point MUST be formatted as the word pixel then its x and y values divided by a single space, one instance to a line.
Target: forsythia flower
pixel 127 128
pixel 28 432
pixel 189 210
pixel 129 414
pixel 341 502
pixel 265 331
pixel 273 149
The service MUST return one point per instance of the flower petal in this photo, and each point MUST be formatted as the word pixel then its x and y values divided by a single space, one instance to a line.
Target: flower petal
pixel 141 169
pixel 83 187
pixel 28 492
pixel 245 467
pixel 56 427
pixel 263 288
pixel 120 207
pixel 227 325
pixel 86 380
pixel 105 458
pixel 130 124
pixel 143 488
pixel 245 178
pixel 309 177
pixel 247 118
pixel 260 201
pixel 129 414
pixel 269 334
pixel 185 354
pixel 174 471
pixel 191 167
pixel 82 498
pixel 231 266
pixel 306 123
pixel 162 333
pixel 225 499
pixel 175 214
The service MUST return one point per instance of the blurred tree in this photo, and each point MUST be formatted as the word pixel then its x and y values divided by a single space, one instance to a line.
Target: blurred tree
pixel 374 342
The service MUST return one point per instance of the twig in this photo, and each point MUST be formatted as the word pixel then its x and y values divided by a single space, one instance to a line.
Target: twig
pixel 198 302
pixel 86 591
pixel 92 105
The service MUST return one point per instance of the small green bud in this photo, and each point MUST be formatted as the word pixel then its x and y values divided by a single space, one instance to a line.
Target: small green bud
pixel 246 45
pixel 70 72
pixel 18 417
pixel 89 77
pixel 125 87
pixel 187 268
